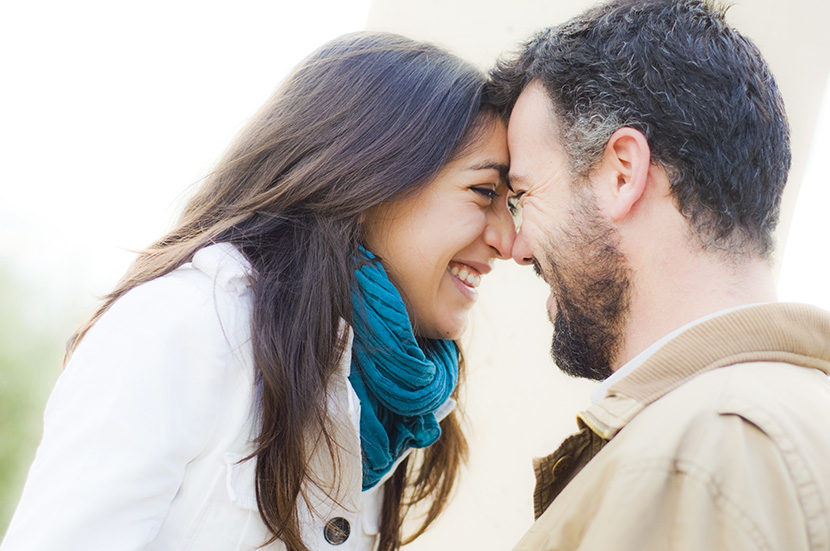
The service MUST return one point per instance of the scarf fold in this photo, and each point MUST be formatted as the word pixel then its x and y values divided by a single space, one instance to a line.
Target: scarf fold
pixel 400 385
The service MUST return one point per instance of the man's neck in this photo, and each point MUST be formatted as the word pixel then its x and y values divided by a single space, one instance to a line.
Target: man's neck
pixel 678 291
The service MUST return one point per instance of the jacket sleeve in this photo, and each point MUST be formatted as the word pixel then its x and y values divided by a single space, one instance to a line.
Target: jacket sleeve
pixel 135 404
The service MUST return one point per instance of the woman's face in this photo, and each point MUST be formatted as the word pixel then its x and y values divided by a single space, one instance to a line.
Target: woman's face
pixel 437 244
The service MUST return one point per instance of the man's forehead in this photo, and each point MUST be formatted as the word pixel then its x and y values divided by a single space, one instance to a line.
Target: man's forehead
pixel 533 100
pixel 532 136
pixel 532 117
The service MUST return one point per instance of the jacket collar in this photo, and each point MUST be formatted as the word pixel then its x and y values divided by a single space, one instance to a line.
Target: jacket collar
pixel 794 333
pixel 798 334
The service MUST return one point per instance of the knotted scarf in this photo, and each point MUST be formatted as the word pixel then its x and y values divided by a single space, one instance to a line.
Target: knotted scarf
pixel 400 384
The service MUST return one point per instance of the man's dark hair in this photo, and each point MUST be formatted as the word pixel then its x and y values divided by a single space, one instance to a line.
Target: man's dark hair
pixel 698 90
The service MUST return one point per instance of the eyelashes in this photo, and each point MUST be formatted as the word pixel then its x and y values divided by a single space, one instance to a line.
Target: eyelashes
pixel 486 192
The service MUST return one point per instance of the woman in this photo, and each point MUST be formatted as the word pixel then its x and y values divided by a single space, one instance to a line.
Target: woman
pixel 261 373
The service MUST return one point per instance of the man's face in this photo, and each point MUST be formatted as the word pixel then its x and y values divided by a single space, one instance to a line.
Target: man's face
pixel 569 242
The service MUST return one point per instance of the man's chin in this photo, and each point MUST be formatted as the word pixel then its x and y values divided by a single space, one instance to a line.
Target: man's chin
pixel 578 359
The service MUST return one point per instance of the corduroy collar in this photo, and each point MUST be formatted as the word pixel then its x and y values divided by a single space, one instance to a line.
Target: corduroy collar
pixel 798 334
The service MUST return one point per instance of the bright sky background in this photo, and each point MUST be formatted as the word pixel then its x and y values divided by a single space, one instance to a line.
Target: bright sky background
pixel 109 111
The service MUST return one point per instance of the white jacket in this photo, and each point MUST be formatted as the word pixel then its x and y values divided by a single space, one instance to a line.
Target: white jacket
pixel 146 427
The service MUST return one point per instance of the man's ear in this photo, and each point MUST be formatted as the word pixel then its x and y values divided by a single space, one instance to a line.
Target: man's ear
pixel 623 172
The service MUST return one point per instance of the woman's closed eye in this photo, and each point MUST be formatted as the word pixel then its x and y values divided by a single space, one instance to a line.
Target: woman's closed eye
pixel 486 191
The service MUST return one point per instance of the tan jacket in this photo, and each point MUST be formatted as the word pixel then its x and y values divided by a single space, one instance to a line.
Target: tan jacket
pixel 720 440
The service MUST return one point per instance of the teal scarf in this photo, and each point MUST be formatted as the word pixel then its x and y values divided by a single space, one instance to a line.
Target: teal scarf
pixel 399 384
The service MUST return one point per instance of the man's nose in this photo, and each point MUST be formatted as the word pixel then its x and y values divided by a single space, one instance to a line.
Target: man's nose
pixel 521 252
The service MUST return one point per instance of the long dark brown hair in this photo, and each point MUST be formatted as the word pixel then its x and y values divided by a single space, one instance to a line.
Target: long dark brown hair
pixel 367 118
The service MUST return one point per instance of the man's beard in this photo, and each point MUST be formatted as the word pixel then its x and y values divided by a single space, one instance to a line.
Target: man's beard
pixel 591 284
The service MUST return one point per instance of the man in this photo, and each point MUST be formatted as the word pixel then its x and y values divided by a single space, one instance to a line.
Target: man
pixel 649 150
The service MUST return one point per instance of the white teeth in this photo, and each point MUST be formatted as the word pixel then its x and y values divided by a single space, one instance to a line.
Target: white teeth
pixel 467 275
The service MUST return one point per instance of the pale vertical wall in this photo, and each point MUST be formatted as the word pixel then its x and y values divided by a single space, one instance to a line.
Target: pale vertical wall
pixel 519 405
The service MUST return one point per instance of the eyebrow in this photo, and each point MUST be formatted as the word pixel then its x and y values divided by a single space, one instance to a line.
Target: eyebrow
pixel 502 169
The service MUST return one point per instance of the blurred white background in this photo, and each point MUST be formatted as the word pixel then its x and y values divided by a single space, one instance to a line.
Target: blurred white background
pixel 805 269
pixel 109 111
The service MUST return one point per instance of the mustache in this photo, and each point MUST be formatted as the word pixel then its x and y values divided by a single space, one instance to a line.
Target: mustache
pixel 537 268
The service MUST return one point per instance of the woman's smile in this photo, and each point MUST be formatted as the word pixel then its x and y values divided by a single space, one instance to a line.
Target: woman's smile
pixel 467 275
pixel 448 233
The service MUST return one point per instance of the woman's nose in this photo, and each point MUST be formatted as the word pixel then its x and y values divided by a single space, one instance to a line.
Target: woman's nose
pixel 500 231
